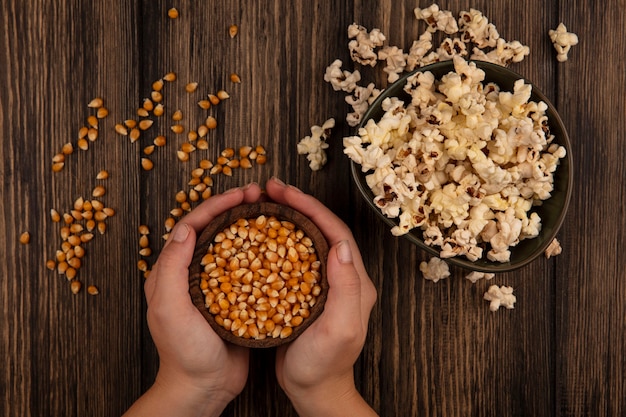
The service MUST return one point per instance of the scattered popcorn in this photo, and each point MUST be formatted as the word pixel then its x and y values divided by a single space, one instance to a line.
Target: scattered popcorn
pixel 362 45
pixel 562 41
pixel 418 51
pixel 396 61
pixel 437 20
pixel 435 269
pixel 475 37
pixel 504 54
pixel 553 249
pixel 341 79
pixel 475 28
pixel 360 101
pixel 475 276
pixel 500 296
pixel 463 161
pixel 314 146
pixel 451 47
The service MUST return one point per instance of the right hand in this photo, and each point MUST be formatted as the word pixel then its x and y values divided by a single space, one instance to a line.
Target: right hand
pixel 316 369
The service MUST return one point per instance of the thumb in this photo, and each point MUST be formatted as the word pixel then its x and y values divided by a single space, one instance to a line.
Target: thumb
pixel 171 271
pixel 344 295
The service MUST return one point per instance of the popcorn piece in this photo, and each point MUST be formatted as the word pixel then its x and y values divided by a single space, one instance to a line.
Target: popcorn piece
pixel 314 146
pixel 475 276
pixel 360 101
pixel 436 19
pixel 500 296
pixel 553 249
pixel 362 45
pixel 435 269
pixel 451 47
pixel 341 79
pixel 418 51
pixel 396 62
pixel 562 41
pixel 504 54
pixel 475 28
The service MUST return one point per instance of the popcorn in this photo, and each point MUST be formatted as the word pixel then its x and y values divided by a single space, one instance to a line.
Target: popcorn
pixel 360 101
pixel 436 19
pixel 475 28
pixel 451 47
pixel 463 162
pixel 553 249
pixel 341 79
pixel 314 146
pixel 396 62
pixel 500 296
pixel 362 45
pixel 504 54
pixel 475 276
pixel 562 41
pixel 418 50
pixel 435 269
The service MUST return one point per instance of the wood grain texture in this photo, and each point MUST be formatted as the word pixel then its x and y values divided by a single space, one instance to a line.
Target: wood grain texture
pixel 432 349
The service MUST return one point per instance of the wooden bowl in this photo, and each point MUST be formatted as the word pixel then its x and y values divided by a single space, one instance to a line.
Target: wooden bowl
pixel 250 211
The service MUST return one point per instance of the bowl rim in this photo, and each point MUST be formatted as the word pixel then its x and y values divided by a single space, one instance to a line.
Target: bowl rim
pixel 554 120
pixel 281 212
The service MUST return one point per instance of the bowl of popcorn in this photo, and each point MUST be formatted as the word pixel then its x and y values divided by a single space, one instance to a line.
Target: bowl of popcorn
pixel 469 161
pixel 258 274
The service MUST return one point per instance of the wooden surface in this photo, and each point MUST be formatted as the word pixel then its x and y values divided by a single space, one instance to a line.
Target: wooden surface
pixel 432 349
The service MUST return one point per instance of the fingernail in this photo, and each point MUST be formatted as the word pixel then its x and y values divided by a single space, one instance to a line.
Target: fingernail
pixel 279 181
pixel 291 187
pixel 231 190
pixel 344 253
pixel 181 233
pixel 245 187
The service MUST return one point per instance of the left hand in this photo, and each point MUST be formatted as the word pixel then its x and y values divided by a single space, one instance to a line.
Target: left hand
pixel 197 369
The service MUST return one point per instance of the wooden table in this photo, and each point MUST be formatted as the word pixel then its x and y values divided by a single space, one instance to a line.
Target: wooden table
pixel 432 349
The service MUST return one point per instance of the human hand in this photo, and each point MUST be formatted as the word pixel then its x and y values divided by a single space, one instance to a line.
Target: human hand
pixel 316 369
pixel 199 374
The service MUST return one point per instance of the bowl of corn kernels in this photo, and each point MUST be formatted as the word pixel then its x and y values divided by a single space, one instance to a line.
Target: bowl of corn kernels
pixel 258 275
pixel 467 160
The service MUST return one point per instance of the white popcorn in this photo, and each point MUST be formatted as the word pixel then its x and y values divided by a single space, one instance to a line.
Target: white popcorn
pixel 509 229
pixel 463 162
pixel 475 276
pixel 500 296
pixel 436 19
pixel 451 47
pixel 553 249
pixel 475 31
pixel 360 102
pixel 435 269
pixel 341 79
pixel 314 146
pixel 396 62
pixel 504 53
pixel 475 28
pixel 562 41
pixel 418 51
pixel 362 45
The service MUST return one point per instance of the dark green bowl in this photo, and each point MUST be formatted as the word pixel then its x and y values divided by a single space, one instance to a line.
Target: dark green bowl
pixel 552 211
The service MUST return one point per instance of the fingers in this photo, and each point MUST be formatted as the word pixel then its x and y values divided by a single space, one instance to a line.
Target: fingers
pixel 202 215
pixel 176 260
pixel 169 280
pixel 332 226
pixel 349 297
pixel 251 193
